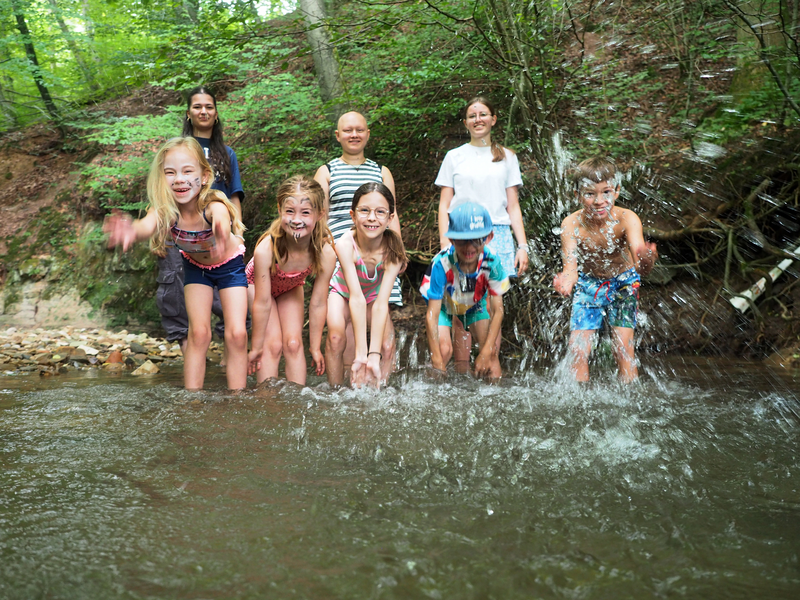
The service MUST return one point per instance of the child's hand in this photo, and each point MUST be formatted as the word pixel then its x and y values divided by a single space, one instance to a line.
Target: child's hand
pixel 483 365
pixel 119 228
pixel 563 284
pixel 319 361
pixel 358 372
pixel 438 364
pixel 374 369
pixel 254 361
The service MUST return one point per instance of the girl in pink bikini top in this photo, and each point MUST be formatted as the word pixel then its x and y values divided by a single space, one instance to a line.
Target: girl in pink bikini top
pixel 297 244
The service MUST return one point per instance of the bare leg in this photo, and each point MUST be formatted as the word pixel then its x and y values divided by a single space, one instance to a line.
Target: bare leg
pixel 350 347
pixel 388 349
pixel 623 349
pixel 198 308
pixel 580 348
pixel 234 306
pixel 292 314
pixel 461 347
pixel 273 346
pixel 338 318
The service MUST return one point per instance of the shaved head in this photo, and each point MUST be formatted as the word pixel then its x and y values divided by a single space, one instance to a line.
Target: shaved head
pixel 351 118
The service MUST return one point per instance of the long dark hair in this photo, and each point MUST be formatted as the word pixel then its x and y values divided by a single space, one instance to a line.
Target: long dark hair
pixel 218 158
pixel 393 249
pixel 498 154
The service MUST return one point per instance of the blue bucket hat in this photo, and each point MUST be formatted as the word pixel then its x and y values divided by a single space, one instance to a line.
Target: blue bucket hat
pixel 469 221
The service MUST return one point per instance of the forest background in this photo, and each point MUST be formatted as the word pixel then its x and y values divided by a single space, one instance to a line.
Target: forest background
pixel 696 101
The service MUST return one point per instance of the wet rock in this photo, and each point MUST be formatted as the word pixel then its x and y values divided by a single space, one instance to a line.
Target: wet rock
pixel 137 348
pixel 147 368
pixel 114 357
pixel 89 350
pixel 113 367
pixel 44 359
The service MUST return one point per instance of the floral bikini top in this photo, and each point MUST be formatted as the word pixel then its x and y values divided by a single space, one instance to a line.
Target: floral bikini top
pixel 194 242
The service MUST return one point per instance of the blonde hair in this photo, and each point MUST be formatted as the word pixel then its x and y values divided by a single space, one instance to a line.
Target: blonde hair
pixel 594 170
pixel 163 202
pixel 300 185
pixel 393 250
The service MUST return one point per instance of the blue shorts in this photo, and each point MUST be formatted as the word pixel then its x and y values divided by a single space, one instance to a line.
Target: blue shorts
pixel 616 298
pixel 502 245
pixel 475 314
pixel 226 275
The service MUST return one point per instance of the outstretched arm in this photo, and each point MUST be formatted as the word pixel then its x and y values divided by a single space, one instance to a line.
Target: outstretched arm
pixel 123 231
pixel 432 329
pixel 221 224
pixel 318 307
pixel 644 254
pixel 380 314
pixel 262 303
pixel 565 280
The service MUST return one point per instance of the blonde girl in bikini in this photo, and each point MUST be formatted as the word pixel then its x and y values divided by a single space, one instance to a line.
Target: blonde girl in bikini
pixel 369 255
pixel 297 244
pixel 205 227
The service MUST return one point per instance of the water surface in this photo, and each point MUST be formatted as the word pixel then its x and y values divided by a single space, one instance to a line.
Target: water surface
pixel 685 485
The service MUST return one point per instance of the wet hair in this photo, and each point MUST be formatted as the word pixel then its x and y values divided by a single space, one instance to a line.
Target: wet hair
pixel 304 186
pixel 498 154
pixel 594 170
pixel 218 154
pixel 163 202
pixel 393 249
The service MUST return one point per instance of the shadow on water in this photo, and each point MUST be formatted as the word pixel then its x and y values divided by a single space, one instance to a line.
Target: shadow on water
pixel 683 484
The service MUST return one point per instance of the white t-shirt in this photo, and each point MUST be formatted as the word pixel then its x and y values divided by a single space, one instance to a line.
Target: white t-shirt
pixel 469 170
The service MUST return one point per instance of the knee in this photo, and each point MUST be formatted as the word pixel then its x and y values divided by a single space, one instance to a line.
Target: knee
pixel 387 346
pixel 336 341
pixel 445 348
pixel 235 336
pixel 274 347
pixel 200 334
pixel 293 346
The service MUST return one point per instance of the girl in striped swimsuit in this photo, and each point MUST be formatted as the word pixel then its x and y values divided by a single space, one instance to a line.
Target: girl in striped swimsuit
pixel 369 254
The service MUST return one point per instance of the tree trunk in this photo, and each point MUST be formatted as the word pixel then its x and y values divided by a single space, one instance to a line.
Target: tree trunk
pixel 88 77
pixel 325 63
pixel 36 70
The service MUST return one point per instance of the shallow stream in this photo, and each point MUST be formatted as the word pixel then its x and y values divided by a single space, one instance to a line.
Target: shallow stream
pixel 686 484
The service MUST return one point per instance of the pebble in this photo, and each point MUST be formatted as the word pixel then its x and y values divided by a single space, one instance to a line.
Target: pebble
pixel 56 351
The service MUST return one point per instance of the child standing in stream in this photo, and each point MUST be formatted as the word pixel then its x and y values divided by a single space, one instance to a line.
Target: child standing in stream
pixel 370 257
pixel 206 228
pixel 604 255
pixel 297 244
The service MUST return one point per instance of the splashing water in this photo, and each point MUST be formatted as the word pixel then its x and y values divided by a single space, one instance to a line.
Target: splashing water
pixel 684 483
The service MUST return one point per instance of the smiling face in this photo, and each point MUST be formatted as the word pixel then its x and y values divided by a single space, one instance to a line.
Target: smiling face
pixel 372 215
pixel 597 199
pixel 298 216
pixel 184 175
pixel 468 252
pixel 352 133
pixel 479 120
pixel 203 113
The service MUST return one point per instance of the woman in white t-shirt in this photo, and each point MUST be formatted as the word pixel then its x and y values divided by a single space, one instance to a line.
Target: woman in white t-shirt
pixel 485 172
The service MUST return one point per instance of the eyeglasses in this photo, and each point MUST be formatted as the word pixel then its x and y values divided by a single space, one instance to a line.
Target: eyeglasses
pixel 380 213
pixel 482 115
pixel 477 243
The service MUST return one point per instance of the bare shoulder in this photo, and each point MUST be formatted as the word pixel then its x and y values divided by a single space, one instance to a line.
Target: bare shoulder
pixel 626 216
pixel 344 245
pixel 328 252
pixel 323 174
pixel 571 220
pixel 264 249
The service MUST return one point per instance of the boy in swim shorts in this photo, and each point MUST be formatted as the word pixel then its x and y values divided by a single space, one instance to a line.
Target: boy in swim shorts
pixel 604 254
pixel 460 281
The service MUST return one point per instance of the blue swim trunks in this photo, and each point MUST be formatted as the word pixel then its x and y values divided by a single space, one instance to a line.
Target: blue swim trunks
pixel 616 298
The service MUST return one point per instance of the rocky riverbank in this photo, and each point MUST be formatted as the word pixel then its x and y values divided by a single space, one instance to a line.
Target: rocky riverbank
pixel 54 352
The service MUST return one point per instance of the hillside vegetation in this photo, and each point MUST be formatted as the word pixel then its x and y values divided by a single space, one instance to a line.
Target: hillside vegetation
pixel 695 100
